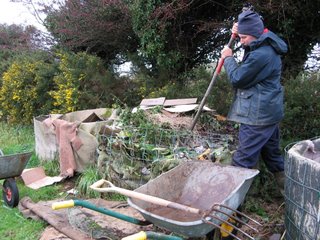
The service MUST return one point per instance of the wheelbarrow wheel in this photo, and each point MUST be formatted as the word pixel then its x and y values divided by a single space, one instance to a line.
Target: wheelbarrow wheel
pixel 10 192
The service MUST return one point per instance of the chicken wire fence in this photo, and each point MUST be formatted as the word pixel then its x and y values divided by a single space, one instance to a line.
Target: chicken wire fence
pixel 130 157
pixel 302 190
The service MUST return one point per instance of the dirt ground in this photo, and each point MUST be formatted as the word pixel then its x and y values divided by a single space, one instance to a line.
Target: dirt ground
pixel 269 213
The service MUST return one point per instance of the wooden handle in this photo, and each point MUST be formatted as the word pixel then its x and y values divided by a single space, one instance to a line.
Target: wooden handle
pixel 215 75
pixel 97 186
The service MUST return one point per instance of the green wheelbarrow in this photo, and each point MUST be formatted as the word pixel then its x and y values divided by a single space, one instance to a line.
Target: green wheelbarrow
pixel 11 166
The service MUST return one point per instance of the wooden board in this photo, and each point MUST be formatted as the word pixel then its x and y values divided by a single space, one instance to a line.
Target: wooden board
pixel 182 101
pixel 152 101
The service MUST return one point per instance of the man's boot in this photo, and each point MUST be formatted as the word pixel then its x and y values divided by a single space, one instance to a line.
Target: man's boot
pixel 280 178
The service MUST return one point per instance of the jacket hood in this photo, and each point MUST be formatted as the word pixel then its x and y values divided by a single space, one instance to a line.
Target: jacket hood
pixel 271 39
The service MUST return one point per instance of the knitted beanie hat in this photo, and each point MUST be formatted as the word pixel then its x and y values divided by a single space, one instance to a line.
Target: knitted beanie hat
pixel 250 23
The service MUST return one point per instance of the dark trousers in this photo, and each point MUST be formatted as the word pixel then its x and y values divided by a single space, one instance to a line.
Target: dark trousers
pixel 259 140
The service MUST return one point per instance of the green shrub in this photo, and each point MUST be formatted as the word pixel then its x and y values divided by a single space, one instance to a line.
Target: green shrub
pixel 137 88
pixel 302 101
pixel 194 85
pixel 191 84
pixel 302 107
pixel 221 95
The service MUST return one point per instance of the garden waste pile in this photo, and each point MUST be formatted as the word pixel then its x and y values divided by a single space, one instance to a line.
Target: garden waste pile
pixel 131 147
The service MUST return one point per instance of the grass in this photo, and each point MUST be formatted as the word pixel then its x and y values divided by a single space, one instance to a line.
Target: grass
pixel 17 139
pixel 14 225
pixel 13 140
pixel 83 183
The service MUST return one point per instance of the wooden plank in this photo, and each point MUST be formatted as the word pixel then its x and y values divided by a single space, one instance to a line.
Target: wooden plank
pixel 181 101
pixel 152 101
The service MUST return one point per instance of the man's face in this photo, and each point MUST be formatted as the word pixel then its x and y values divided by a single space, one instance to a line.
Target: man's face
pixel 245 40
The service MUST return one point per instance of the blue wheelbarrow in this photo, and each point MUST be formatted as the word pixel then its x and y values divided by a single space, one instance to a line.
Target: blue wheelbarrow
pixel 11 166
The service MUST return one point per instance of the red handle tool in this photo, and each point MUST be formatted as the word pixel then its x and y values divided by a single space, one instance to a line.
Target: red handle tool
pixel 215 75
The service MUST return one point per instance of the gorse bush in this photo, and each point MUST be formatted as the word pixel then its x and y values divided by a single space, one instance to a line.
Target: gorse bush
pixel 79 82
pixel 16 102
pixel 35 85
pixel 23 93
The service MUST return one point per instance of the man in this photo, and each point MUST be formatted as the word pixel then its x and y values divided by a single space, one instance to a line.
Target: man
pixel 258 102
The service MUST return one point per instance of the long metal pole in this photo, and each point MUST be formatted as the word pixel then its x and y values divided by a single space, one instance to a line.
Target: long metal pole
pixel 214 77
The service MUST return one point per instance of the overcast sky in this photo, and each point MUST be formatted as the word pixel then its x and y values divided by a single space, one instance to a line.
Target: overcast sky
pixel 17 13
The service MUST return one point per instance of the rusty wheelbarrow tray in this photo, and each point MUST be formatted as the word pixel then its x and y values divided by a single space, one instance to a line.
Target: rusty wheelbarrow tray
pixel 11 166
pixel 212 188
pixel 192 199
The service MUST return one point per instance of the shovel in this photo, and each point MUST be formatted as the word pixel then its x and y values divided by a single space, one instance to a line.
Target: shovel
pixel 205 215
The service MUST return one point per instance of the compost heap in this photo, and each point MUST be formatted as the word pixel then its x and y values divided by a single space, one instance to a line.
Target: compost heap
pixel 140 146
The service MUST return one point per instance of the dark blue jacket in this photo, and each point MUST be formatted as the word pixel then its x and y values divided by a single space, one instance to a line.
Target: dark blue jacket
pixel 259 94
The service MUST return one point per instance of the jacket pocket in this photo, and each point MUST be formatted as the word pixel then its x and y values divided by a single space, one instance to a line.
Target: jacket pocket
pixel 243 103
pixel 275 106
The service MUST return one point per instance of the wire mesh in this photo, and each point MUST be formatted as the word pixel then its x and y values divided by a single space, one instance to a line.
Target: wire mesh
pixel 131 156
pixel 302 195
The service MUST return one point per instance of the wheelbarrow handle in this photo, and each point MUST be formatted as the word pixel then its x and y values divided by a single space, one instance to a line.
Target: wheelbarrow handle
pixel 137 236
pixel 98 186
pixel 63 204
pixel 151 235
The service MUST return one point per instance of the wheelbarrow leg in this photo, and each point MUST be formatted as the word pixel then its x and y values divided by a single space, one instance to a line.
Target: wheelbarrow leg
pixel 216 235
pixel 211 235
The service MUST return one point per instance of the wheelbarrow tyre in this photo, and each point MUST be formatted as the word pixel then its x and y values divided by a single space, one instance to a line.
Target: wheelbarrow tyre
pixel 10 192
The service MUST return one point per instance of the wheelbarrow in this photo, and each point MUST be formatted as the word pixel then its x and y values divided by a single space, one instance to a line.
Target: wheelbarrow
pixel 11 166
pixel 191 200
